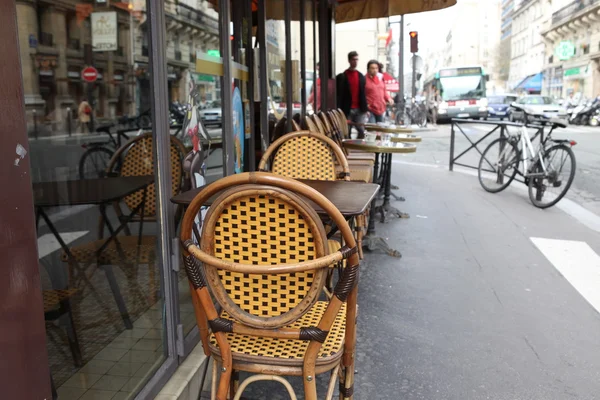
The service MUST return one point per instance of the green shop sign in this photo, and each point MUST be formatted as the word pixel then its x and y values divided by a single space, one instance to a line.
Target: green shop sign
pixel 204 78
pixel 565 50
pixel 572 71
pixel 214 53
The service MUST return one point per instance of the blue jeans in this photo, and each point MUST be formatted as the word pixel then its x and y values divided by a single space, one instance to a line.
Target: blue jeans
pixel 375 118
pixel 358 117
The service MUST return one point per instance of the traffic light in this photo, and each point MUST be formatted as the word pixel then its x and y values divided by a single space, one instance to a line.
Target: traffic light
pixel 414 42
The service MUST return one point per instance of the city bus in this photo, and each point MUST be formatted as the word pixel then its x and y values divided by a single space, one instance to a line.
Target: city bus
pixel 462 91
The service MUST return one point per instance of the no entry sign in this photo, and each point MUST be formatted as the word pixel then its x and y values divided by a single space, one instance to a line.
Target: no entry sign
pixel 89 74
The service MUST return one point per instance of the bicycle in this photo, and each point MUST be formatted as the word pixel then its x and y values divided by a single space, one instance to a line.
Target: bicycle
pixel 542 168
pixel 95 159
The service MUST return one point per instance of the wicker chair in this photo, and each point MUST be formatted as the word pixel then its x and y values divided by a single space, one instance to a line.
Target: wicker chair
pixel 309 155
pixel 310 125
pixel 305 155
pixel 263 258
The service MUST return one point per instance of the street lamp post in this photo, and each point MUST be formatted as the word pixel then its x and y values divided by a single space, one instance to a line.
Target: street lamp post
pixel 400 65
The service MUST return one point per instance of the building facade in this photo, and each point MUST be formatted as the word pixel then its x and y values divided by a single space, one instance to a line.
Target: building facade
pixel 55 41
pixel 572 49
pixel 368 38
pixel 529 19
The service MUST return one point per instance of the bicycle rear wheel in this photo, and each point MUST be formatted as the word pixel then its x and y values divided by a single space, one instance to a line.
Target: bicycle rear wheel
pixel 551 185
pixel 94 162
pixel 498 165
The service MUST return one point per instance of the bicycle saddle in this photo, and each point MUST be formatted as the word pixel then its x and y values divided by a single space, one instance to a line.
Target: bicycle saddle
pixel 558 123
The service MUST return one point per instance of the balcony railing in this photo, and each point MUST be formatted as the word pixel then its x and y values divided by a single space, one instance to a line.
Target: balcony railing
pixel 198 17
pixel 570 9
pixel 46 39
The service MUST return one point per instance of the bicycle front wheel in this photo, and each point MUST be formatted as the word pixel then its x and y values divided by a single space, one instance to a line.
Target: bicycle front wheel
pixel 94 162
pixel 498 165
pixel 546 188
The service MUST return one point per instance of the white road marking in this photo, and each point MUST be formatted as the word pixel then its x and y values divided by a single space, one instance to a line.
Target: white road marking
pixel 577 262
pixel 48 244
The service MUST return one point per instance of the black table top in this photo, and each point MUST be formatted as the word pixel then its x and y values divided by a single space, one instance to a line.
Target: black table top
pixel 87 191
pixel 350 198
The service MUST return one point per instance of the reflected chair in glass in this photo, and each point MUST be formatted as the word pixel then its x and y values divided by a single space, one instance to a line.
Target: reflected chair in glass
pixel 57 303
pixel 263 258
pixel 134 158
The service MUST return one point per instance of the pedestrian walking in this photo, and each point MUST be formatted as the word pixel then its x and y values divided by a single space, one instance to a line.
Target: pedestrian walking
pixel 84 113
pixel 351 98
pixel 317 90
pixel 434 103
pixel 377 97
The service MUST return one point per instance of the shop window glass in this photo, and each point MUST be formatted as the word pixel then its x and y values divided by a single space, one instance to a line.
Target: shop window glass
pixel 87 92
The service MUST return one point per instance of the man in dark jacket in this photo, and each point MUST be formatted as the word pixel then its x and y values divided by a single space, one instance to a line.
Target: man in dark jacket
pixel 351 98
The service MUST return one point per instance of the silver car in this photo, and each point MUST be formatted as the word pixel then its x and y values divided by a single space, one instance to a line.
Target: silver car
pixel 212 115
pixel 537 107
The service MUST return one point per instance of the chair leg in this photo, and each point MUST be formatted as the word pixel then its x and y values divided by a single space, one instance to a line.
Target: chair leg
pixel 72 334
pixel 215 376
pixel 332 380
pixel 261 377
pixel 114 287
pixel 234 383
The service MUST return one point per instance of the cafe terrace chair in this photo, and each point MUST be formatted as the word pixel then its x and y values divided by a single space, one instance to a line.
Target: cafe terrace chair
pixel 309 155
pixel 305 155
pixel 310 125
pixel 263 258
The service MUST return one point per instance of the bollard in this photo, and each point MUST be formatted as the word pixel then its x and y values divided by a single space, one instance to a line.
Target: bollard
pixel 69 120
pixel 35 131
pixel 451 166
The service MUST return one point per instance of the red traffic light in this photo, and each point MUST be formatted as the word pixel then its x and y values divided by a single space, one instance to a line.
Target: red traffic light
pixel 414 41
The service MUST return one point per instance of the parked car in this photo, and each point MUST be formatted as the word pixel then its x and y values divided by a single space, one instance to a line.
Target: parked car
pixel 538 107
pixel 499 105
pixel 212 115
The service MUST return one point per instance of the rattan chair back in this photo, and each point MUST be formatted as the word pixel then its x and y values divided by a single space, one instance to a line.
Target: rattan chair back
pixel 343 123
pixel 310 125
pixel 306 155
pixel 320 127
pixel 263 258
pixel 254 225
pixel 137 159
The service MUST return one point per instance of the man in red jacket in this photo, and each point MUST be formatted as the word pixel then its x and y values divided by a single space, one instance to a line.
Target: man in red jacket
pixel 351 98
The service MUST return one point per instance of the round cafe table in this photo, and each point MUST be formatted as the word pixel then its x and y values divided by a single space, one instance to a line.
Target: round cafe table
pixel 395 129
pixel 386 150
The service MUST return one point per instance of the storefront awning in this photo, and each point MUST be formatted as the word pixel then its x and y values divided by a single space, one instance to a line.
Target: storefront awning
pixel 533 83
pixel 354 10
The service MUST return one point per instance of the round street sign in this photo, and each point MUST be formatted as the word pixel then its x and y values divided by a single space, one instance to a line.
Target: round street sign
pixel 89 74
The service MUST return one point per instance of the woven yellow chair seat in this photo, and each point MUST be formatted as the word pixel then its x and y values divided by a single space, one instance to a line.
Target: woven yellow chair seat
pixel 271 350
pixel 52 298
pixel 86 253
